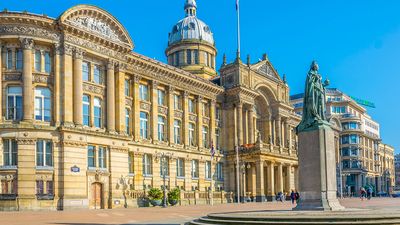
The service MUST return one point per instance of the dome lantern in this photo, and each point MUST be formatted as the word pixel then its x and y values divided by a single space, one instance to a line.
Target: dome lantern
pixel 190 8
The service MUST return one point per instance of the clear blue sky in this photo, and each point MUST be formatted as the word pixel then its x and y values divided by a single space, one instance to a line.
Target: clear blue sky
pixel 357 42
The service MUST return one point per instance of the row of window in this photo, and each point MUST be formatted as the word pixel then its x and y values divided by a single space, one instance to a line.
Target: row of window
pixel 351 164
pixel 96 76
pixel 192 58
pixel 350 139
pixel 180 168
pixel 44 153
pixel 351 126
pixel 338 109
pixel 15 60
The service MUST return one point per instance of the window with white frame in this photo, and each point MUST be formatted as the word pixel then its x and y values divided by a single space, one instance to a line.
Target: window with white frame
pixel 130 163
pixel 188 56
pixel 191 105
pixel 91 156
pixel 10 153
pixel 14 103
pixel 44 153
pixel 180 167
pixel 192 134
pixel 102 157
pixel 144 92
pixel 206 58
pixel 127 121
pixel 42 190
pixel 220 172
pixel 177 131
pixel 177 102
pixel 164 166
pixel 47 62
pixel 85 71
pixel 195 168
pixel 38 61
pixel 127 86
pixel 208 169
pixel 96 157
pixel 196 56
pixel 9 59
pixel 97 112
pixel 86 110
pixel 97 75
pixel 161 97
pixel 144 125
pixel 205 136
pixel 147 165
pixel 20 59
pixel 161 128
pixel 42 104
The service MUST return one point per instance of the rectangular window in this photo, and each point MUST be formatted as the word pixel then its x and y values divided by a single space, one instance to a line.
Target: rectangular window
pixel 91 156
pixel 86 110
pixel 176 62
pixel 42 104
pixel 9 186
pixel 127 121
pixel 147 165
pixel 161 128
pixel 177 131
pixel 191 105
pixel 14 103
pixel 102 157
pixel 217 138
pixel 44 153
pixel 39 187
pixel 20 59
pixel 192 140
pixel 10 152
pixel 38 61
pixel 144 125
pixel 177 102
pixel 164 166
pixel 49 187
pixel 220 172
pixel 85 71
pixel 161 97
pixel 144 92
pixel 195 168
pixel 127 85
pixel 97 113
pixel 47 62
pixel 180 167
pixel 206 58
pixel 97 75
pixel 130 163
pixel 9 59
pixel 205 137
pixel 196 56
pixel 189 56
pixel 208 169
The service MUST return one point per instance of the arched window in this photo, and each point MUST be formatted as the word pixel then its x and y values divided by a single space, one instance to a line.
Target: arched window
pixel 14 103
pixel 43 104
pixel 97 113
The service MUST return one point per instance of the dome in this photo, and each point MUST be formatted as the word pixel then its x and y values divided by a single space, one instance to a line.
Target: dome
pixel 191 28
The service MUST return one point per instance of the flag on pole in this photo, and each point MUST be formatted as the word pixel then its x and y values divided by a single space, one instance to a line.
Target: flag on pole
pixel 212 150
pixel 237 5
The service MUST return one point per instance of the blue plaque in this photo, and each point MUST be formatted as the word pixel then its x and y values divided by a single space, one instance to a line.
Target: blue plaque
pixel 75 169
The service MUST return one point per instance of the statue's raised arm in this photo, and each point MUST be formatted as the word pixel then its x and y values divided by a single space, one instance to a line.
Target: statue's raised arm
pixel 314 100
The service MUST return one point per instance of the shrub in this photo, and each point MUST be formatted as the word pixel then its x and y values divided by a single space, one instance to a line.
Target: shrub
pixel 155 194
pixel 174 194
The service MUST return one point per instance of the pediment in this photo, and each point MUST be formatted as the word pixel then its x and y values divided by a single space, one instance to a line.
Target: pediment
pixel 266 69
pixel 98 22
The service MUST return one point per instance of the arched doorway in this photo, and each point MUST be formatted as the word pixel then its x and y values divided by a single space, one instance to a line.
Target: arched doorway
pixel 263 106
pixel 96 200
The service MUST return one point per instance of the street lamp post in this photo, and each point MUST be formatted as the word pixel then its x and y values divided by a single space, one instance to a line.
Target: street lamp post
pixel 163 156
pixel 243 167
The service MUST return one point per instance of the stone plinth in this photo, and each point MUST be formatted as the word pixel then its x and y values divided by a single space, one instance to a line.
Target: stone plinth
pixel 317 170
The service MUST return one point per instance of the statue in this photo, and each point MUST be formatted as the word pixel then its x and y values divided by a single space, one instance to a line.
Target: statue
pixel 314 100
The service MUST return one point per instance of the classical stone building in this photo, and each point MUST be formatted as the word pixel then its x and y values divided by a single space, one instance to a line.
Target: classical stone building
pixel 397 171
pixel 363 160
pixel 85 122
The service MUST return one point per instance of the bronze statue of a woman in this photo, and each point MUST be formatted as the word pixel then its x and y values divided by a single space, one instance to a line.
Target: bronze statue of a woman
pixel 314 100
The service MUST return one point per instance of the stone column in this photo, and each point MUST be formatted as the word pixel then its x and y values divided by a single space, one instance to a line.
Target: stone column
pixel 120 101
pixel 77 84
pixel 239 123
pixel 171 115
pixel 27 45
pixel 199 122
pixel 260 197
pixel 286 134
pixel 110 96
pixel 273 136
pixel 290 139
pixel 280 177
pixel 251 126
pixel 67 86
pixel 26 172
pixel 278 131
pixel 185 123
pixel 154 111
pixel 57 87
pixel 138 179
pixel 271 181
pixel 1 85
pixel 289 185
pixel 246 127
pixel 136 108
pixel 212 124
pixel 188 174
pixel 253 178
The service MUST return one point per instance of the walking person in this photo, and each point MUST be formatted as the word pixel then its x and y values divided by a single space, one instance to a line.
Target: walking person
pixel 297 197
pixel 362 193
pixel 292 196
pixel 369 193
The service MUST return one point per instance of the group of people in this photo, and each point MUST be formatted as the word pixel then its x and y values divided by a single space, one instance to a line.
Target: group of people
pixel 294 196
pixel 365 193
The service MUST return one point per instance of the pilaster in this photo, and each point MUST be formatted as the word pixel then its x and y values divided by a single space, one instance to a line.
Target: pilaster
pixel 239 108
pixel 136 108
pixel 77 85
pixel 171 114
pixel 67 84
pixel 110 96
pixel 199 126
pixel 260 196
pixel 120 101
pixel 57 86
pixel 185 124
pixel 154 111
pixel 27 45
pixel 271 180
pixel 26 169
pixel 212 124
pixel 251 125
pixel 1 85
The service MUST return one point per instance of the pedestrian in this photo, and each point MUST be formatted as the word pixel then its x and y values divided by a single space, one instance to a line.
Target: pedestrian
pixel 362 193
pixel 297 197
pixel 369 193
pixel 292 196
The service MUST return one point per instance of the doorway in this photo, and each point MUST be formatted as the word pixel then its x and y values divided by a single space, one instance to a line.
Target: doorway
pixel 96 201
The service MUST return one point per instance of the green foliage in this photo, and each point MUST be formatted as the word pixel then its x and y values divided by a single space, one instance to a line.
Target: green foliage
pixel 155 194
pixel 174 194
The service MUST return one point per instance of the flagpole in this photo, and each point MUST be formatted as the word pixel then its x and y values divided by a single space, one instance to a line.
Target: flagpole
pixel 238 28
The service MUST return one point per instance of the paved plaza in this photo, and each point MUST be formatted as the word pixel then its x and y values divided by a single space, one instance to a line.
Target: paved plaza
pixel 170 215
